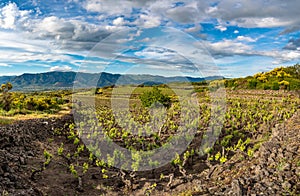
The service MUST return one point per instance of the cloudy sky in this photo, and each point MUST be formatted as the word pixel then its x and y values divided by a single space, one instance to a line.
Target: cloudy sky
pixel 239 37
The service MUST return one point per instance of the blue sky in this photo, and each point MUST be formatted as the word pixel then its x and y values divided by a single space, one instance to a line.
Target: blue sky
pixel 232 38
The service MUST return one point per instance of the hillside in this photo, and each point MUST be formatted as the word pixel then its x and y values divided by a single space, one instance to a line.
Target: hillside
pixel 61 80
pixel 279 78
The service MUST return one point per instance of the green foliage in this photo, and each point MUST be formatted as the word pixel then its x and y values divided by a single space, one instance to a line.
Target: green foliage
pixel 48 157
pixel 279 78
pixel 23 103
pixel 85 167
pixel 60 149
pixel 245 118
pixel 176 160
pixel 153 97
pixel 275 86
pixel 73 170
pixel 5 99
pixel 6 87
pixel 252 83
pixel 223 159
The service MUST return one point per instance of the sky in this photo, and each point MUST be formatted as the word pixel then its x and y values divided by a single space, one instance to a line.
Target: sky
pixel 232 38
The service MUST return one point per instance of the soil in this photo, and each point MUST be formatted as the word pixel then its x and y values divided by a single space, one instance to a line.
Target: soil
pixel 274 170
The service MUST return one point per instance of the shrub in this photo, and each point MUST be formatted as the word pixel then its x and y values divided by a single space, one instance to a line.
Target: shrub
pixel 275 86
pixel 6 100
pixel 252 84
pixel 153 97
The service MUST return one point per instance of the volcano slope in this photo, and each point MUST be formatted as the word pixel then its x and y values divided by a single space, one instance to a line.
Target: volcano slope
pixel 273 170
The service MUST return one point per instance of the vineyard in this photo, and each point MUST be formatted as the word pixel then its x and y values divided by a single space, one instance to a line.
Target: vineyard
pixel 127 143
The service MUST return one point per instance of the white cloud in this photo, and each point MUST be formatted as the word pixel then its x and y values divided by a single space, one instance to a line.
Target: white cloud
pixel 236 32
pixel 4 65
pixel 61 68
pixel 266 22
pixel 245 38
pixel 228 47
pixel 119 21
pixel 148 21
pixel 211 10
pixel 156 53
pixel 276 13
pixel 109 7
pixel 193 29
pixel 228 12
pixel 10 15
pixel 184 14
pixel 221 28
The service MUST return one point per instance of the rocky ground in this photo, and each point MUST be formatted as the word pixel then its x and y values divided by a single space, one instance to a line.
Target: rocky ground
pixel 274 169
pixel 20 143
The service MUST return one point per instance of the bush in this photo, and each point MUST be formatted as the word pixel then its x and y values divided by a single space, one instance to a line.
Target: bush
pixel 5 99
pixel 275 86
pixel 266 87
pixel 252 83
pixel 153 97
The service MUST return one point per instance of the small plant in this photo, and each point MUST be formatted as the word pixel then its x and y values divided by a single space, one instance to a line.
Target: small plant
pixel 73 170
pixel 85 167
pixel 149 189
pixel 60 149
pixel 104 175
pixel 48 157
pixel 162 176
pixel 250 152
pixel 223 159
pixel 217 156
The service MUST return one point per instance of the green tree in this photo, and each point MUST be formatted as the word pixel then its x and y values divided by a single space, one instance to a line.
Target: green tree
pixel 153 97
pixel 5 100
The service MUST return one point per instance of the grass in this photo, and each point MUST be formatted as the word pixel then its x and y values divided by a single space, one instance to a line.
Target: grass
pixel 6 121
pixel 7 118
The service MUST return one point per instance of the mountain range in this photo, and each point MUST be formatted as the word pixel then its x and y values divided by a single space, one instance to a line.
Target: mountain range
pixel 67 80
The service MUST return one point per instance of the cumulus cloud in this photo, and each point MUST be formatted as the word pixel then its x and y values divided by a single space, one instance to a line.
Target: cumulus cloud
pixel 184 14
pixel 109 7
pixel 230 12
pixel 70 34
pixel 47 37
pixel 227 48
pixel 119 21
pixel 10 16
pixel 148 21
pixel 245 13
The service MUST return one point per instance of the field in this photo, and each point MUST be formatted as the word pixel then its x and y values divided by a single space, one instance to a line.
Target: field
pixel 209 142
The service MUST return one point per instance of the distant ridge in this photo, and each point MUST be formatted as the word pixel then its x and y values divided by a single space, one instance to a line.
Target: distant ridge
pixel 65 80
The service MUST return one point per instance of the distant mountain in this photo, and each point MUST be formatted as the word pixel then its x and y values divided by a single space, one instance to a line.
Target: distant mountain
pixel 63 80
pixel 4 79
